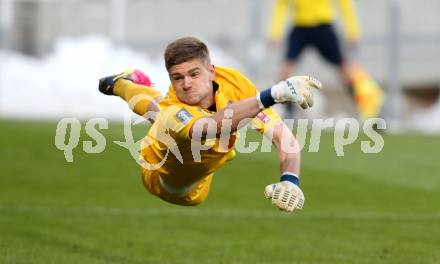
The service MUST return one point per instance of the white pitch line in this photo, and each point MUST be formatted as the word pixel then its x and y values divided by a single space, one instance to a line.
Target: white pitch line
pixel 227 212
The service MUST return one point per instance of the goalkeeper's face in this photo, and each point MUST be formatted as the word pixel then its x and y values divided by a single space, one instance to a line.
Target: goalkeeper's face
pixel 192 81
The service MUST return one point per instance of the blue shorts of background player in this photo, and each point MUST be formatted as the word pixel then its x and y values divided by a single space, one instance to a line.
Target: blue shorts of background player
pixel 322 37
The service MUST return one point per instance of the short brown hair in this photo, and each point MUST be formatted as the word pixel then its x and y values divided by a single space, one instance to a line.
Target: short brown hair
pixel 185 49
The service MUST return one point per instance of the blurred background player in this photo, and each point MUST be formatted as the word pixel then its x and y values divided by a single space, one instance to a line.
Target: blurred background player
pixel 313 25
pixel 201 94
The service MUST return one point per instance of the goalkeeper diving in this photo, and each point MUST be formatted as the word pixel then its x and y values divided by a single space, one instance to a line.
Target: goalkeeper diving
pixel 205 106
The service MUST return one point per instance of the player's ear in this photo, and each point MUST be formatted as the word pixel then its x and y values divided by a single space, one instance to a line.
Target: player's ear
pixel 211 69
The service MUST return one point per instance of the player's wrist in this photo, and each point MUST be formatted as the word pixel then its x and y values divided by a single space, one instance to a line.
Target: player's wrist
pixel 265 99
pixel 281 92
pixel 290 177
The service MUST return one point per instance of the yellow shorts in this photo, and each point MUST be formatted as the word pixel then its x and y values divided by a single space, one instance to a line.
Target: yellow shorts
pixel 191 195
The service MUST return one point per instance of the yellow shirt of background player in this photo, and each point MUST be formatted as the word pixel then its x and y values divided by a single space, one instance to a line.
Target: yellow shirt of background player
pixel 309 13
pixel 171 131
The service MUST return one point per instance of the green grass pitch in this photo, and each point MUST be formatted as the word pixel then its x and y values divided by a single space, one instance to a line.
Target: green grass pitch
pixel 360 208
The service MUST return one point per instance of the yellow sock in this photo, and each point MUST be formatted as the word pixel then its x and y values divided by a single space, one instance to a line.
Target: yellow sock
pixel 138 97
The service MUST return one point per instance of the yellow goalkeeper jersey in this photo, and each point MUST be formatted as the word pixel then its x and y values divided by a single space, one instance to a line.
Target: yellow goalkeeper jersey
pixel 168 143
pixel 309 13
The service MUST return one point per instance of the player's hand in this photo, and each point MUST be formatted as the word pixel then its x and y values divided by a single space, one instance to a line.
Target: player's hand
pixel 106 84
pixel 297 89
pixel 286 195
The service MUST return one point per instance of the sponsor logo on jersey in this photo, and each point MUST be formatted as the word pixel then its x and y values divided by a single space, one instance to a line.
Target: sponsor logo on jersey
pixel 264 118
pixel 184 116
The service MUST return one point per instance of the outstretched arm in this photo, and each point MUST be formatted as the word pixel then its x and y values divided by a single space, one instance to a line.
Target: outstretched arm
pixel 286 194
pixel 287 148
pixel 296 89
pixel 234 113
